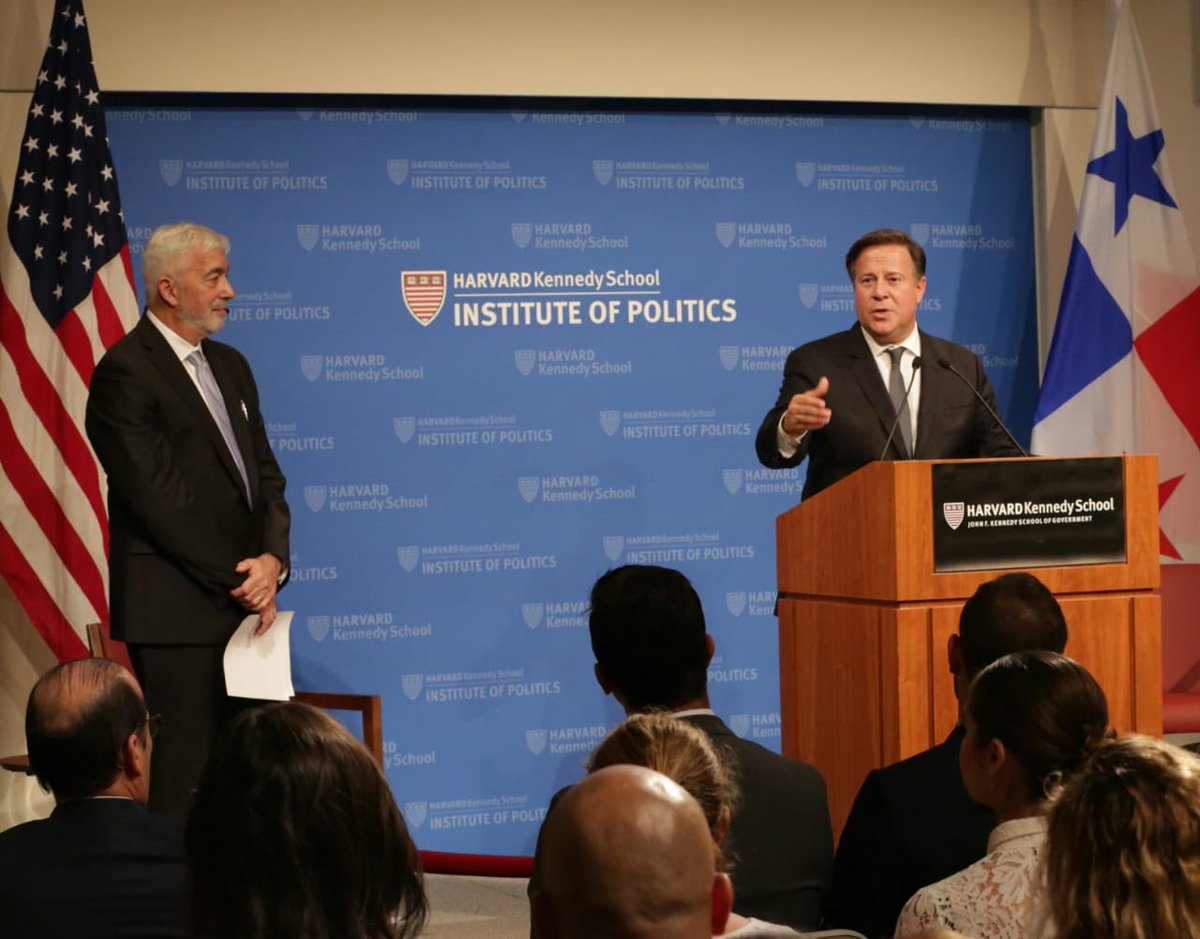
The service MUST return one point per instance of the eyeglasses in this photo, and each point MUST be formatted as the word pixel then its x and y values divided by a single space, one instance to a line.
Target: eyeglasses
pixel 152 723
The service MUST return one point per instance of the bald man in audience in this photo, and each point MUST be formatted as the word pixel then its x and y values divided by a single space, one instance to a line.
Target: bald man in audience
pixel 101 865
pixel 627 853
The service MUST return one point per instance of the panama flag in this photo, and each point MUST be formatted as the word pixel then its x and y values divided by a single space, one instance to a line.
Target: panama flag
pixel 1121 375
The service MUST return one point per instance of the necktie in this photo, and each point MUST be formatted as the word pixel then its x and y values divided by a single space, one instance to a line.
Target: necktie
pixel 896 392
pixel 216 407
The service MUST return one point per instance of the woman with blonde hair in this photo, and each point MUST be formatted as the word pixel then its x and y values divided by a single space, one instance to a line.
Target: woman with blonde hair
pixel 1123 847
pixel 680 751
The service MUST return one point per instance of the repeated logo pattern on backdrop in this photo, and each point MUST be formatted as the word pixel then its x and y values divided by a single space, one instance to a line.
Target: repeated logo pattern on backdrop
pixel 501 351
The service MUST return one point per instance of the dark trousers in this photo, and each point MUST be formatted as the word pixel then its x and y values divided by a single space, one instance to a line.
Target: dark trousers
pixel 186 685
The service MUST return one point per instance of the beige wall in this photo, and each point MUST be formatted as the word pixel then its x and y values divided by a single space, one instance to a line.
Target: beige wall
pixel 1034 52
pixel 1042 53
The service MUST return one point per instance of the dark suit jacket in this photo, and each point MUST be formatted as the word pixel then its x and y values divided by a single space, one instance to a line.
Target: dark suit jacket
pixel 912 824
pixel 951 424
pixel 178 514
pixel 780 838
pixel 99 868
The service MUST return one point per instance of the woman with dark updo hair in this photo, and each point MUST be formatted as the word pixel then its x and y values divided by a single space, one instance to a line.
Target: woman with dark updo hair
pixel 1032 719
pixel 294 834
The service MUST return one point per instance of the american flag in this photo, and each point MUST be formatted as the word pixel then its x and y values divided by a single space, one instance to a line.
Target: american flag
pixel 66 295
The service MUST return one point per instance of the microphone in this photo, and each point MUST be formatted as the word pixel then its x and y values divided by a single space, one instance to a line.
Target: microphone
pixel 916 364
pixel 945 363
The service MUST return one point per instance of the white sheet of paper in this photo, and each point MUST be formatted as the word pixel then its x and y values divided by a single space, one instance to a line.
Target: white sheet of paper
pixel 260 666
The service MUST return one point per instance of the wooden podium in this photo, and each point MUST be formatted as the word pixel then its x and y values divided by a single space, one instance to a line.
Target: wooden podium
pixel 864 622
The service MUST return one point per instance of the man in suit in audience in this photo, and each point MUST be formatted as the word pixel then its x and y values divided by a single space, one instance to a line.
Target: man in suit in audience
pixel 101 864
pixel 652 652
pixel 840 395
pixel 912 823
pixel 627 852
pixel 196 504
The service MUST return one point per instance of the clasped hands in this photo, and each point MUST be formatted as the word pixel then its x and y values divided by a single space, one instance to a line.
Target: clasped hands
pixel 257 592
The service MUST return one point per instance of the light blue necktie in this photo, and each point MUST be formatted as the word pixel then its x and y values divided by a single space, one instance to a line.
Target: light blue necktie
pixel 216 407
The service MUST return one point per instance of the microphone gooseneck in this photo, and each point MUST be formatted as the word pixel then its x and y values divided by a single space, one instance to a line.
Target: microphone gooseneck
pixel 945 363
pixel 916 364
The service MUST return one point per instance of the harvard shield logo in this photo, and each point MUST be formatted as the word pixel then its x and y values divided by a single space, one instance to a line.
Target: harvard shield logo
pixel 408 555
pixel 318 627
pixel 311 366
pixel 953 513
pixel 535 740
pixel 307 235
pixel 171 171
pixel 525 360
pixel 397 171
pixel 603 171
pixel 411 685
pixel 522 232
pixel 404 427
pixel 424 293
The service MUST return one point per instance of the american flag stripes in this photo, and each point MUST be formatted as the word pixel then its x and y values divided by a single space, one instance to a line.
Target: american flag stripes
pixel 66 295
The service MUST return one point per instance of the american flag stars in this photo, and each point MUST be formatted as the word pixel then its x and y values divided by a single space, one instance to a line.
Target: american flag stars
pixel 66 221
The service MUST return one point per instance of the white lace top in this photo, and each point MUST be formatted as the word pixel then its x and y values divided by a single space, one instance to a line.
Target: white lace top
pixel 991 899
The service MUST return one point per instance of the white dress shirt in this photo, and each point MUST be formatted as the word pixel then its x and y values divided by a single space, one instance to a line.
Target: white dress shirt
pixel 788 445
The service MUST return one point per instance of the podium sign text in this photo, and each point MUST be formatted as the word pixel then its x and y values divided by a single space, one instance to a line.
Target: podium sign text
pixel 989 515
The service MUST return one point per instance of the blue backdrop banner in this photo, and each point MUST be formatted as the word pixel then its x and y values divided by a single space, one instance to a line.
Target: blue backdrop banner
pixel 502 349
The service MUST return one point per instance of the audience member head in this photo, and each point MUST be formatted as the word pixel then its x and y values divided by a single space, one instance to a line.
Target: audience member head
pixel 628 853
pixel 1123 850
pixel 294 832
pixel 1032 719
pixel 88 732
pixel 1013 613
pixel 649 639
pixel 886 236
pixel 681 752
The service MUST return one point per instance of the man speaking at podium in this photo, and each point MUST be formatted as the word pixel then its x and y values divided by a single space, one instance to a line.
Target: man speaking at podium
pixel 883 389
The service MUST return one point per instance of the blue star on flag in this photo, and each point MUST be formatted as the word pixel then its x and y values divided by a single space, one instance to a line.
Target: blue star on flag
pixel 1129 166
